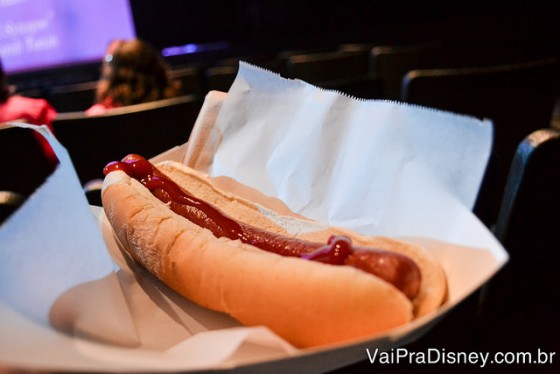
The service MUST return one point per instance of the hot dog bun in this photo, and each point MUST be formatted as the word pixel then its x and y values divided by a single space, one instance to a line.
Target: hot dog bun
pixel 305 302
pixel 264 214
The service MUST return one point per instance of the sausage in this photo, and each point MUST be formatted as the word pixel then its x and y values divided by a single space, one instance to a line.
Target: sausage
pixel 395 268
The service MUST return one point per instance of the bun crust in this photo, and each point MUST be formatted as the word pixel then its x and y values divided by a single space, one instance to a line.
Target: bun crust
pixel 264 215
pixel 305 302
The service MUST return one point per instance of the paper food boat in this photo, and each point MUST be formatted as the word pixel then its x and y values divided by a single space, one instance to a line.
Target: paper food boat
pixel 60 265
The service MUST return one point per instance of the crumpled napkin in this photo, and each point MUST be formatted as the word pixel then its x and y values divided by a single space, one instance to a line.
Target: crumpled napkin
pixel 377 167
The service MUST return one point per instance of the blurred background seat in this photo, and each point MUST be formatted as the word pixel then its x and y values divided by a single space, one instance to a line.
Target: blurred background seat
pixel 24 167
pixel 72 97
pixel 521 305
pixel 344 71
pixel 518 98
pixel 146 129
pixel 189 79
pixel 36 93
pixel 221 74
pixel 220 78
pixel 390 63
pixel 275 62
pixel 326 66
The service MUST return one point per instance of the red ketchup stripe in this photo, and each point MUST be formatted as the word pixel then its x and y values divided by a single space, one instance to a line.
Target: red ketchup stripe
pixel 394 268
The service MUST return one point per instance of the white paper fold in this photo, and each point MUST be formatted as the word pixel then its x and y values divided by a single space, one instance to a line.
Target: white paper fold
pixel 340 160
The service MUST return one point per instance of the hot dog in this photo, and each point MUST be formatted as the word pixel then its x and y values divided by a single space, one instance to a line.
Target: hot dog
pixel 312 288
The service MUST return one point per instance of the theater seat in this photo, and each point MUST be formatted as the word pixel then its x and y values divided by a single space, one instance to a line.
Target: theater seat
pixel 344 71
pixel 522 303
pixel 147 129
pixel 190 80
pixel 220 78
pixel 72 97
pixel 24 167
pixel 518 98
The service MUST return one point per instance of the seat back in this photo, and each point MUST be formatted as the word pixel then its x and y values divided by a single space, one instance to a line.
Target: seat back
pixel 530 206
pixel 25 167
pixel 147 129
pixel 523 298
pixel 518 98
pixel 391 63
pixel 344 71
pixel 72 97
pixel 220 78
pixel 326 66
pixel 269 61
pixel 190 80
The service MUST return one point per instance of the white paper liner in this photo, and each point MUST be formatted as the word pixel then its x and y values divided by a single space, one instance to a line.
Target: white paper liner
pixel 365 165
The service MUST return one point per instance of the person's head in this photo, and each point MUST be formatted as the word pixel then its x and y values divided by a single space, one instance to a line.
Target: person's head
pixel 133 72
pixel 4 91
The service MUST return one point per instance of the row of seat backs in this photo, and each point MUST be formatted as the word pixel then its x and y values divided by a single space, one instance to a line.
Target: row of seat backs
pixel 384 65
pixel 517 98
pixel 392 62
pixel 80 96
pixel 363 70
pixel 345 72
pixel 339 70
pixel 147 129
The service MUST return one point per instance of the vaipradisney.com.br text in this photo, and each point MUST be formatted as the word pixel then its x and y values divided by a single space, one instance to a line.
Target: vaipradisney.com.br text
pixel 433 356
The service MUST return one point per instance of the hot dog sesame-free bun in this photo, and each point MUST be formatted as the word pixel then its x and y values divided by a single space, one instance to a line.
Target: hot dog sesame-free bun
pixel 305 302
pixel 434 285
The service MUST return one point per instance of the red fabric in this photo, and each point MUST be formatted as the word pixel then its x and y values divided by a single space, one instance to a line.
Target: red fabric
pixel 30 110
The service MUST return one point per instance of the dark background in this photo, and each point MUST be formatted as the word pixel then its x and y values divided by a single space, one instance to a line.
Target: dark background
pixel 277 25
pixel 257 27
